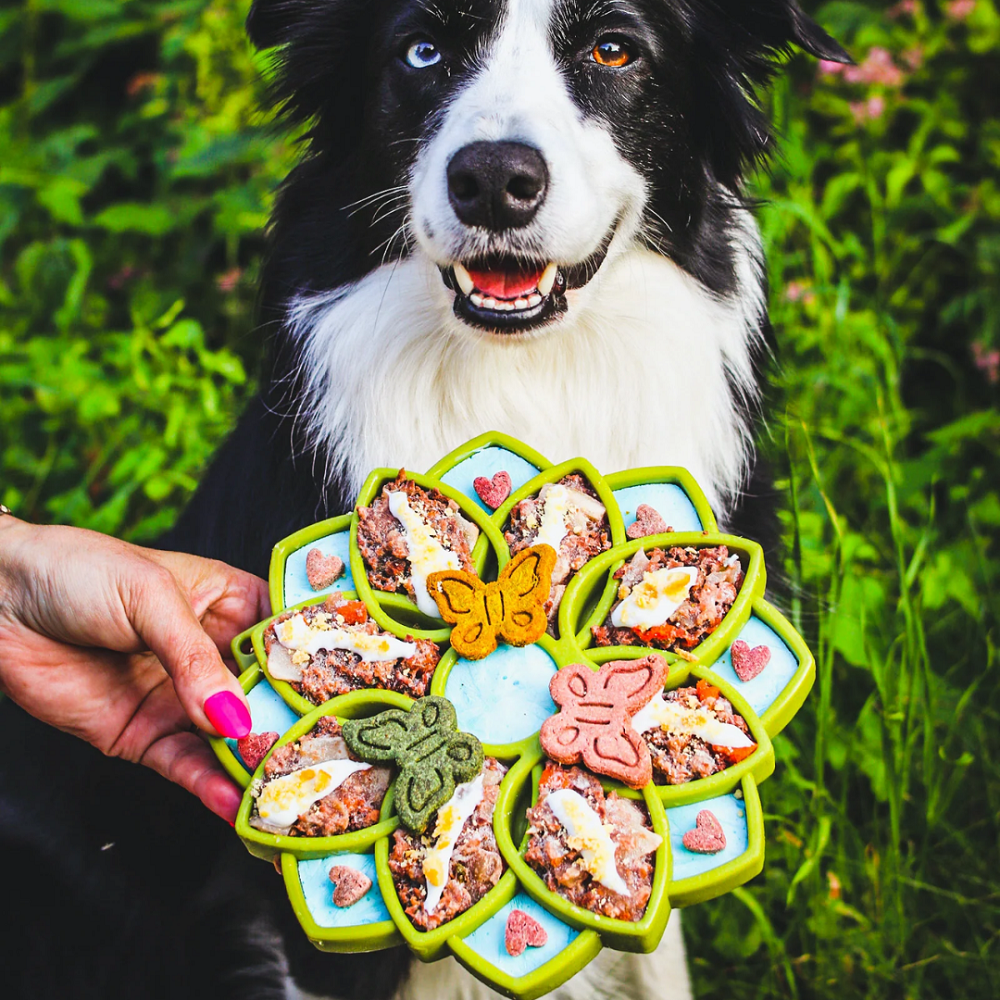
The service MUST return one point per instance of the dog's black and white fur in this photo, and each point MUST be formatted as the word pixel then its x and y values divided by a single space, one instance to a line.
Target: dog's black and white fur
pixel 592 150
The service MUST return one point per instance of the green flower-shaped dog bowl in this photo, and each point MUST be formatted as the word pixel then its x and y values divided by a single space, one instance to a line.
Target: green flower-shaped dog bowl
pixel 504 698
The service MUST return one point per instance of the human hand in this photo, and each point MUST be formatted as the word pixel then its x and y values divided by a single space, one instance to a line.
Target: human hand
pixel 123 647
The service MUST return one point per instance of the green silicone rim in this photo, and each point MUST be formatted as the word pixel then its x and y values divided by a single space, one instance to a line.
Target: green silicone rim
pixel 582 950
pixel 639 936
pixel 782 710
pixel 580 589
pixel 361 938
pixel 378 601
pixel 674 475
pixel 698 888
pixel 489 439
pixel 269 845
pixel 284 548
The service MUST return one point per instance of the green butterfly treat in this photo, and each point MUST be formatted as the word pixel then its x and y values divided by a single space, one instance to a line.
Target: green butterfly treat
pixel 425 744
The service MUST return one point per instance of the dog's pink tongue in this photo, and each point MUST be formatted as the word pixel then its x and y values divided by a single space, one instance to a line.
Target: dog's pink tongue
pixel 506 284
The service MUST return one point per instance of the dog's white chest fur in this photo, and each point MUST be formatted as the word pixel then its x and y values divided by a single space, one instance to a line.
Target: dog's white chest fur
pixel 644 372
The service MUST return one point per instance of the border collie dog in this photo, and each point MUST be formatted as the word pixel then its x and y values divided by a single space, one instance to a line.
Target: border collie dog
pixel 522 215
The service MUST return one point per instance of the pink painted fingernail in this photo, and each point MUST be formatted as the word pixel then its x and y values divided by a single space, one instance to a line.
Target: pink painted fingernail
pixel 228 715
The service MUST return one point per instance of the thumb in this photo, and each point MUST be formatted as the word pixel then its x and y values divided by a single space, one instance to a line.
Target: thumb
pixel 162 617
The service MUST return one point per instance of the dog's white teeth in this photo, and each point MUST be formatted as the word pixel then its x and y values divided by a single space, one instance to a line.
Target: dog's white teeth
pixel 548 279
pixel 489 302
pixel 533 300
pixel 476 300
pixel 464 279
pixel 520 303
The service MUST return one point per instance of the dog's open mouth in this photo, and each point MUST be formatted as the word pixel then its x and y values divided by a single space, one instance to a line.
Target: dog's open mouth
pixel 506 295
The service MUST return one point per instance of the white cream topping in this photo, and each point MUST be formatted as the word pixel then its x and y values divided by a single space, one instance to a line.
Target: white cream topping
pixel 283 800
pixel 451 819
pixel 676 717
pixel 425 553
pixel 555 508
pixel 656 598
pixel 298 635
pixel 588 835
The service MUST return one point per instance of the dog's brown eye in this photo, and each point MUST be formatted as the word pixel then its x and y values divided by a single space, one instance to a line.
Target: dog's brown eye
pixel 611 52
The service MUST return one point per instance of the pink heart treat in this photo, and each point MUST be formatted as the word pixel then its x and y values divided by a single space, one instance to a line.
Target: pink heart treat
pixel 351 885
pixel 255 747
pixel 493 491
pixel 647 522
pixel 707 837
pixel 523 932
pixel 322 570
pixel 747 662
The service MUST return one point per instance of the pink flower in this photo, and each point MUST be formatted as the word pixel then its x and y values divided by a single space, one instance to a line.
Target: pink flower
pixel 903 7
pixel 875 107
pixel 227 282
pixel 914 58
pixel 988 362
pixel 828 67
pixel 794 291
pixel 959 10
pixel 878 67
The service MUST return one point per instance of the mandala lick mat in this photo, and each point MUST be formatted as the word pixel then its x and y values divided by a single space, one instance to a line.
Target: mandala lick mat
pixel 504 699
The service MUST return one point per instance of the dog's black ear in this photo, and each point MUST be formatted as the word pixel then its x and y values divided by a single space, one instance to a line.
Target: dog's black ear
pixel 808 35
pixel 270 22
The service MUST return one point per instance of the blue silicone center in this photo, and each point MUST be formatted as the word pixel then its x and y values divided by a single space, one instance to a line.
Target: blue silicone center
pixel 488 940
pixel 297 587
pixel 486 462
pixel 731 812
pixel 764 689
pixel 268 714
pixel 318 891
pixel 668 499
pixel 504 697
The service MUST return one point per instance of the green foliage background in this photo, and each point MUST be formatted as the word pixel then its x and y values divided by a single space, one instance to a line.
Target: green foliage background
pixel 135 178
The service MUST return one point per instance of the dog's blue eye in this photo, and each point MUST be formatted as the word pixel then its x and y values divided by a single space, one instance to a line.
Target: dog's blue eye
pixel 422 54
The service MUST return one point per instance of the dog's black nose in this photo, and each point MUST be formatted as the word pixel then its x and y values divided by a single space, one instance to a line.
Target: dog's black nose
pixel 497 185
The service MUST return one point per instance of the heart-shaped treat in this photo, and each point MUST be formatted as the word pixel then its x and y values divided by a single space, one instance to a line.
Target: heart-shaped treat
pixel 254 748
pixel 647 522
pixel 322 570
pixel 493 491
pixel 747 662
pixel 351 885
pixel 707 837
pixel 523 932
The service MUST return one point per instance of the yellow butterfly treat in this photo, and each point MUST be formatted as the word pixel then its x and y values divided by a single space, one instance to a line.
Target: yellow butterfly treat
pixel 513 607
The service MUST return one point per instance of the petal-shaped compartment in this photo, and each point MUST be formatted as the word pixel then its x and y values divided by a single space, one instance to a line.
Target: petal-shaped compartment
pixel 538 970
pixel 641 935
pixel 396 608
pixel 596 589
pixel 268 713
pixel 485 456
pixel 504 698
pixel 697 875
pixel 671 491
pixel 298 700
pixel 267 845
pixel 431 944
pixel 579 545
pixel 779 690
pixel 759 764
pixel 362 926
pixel 288 580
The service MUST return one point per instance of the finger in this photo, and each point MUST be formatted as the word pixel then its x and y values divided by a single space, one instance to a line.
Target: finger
pixel 160 614
pixel 184 759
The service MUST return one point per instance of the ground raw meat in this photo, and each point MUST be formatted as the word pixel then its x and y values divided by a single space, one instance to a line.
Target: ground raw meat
pixel 681 757
pixel 585 538
pixel 561 866
pixel 382 540
pixel 709 600
pixel 354 805
pixel 476 864
pixel 327 674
